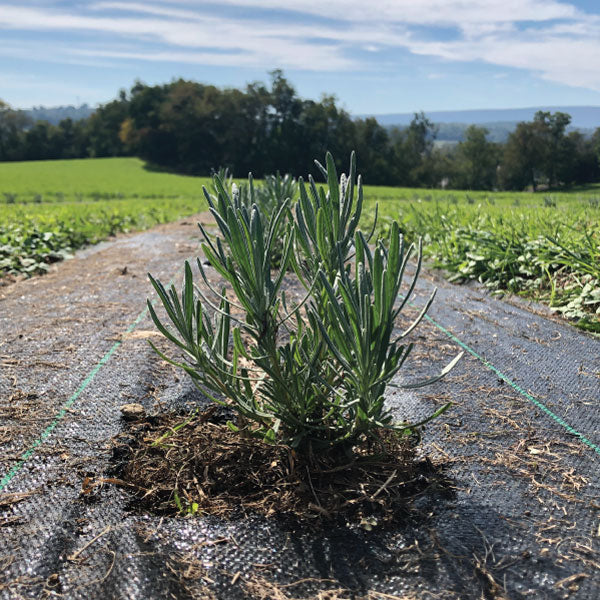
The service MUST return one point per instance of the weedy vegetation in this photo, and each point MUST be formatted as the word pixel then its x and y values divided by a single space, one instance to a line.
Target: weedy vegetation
pixel 545 248
pixel 31 240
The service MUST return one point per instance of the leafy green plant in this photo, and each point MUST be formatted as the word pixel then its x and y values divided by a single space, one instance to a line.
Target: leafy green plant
pixel 533 255
pixel 33 236
pixel 327 222
pixel 270 194
pixel 358 328
pixel 312 375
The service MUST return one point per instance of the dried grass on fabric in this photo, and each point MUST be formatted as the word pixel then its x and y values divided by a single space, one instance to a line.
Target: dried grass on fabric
pixel 205 468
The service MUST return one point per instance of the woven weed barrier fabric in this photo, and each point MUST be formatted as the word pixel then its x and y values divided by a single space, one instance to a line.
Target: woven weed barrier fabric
pixel 519 449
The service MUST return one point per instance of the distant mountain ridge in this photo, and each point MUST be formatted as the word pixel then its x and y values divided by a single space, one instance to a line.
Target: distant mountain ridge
pixel 583 117
pixel 56 114
pixel 452 124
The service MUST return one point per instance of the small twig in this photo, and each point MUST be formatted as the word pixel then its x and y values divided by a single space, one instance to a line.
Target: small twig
pixel 51 365
pixel 312 488
pixel 116 481
pixel 306 580
pixel 104 577
pixel 343 467
pixel 112 564
pixel 384 486
pixel 75 555
pixel 222 540
pixel 570 579
pixel 15 520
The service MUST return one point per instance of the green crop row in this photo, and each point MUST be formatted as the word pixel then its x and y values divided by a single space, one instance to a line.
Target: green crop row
pixel 48 209
pixel 541 247
pixel 34 236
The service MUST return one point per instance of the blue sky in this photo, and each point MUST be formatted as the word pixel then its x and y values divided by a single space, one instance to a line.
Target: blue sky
pixel 379 56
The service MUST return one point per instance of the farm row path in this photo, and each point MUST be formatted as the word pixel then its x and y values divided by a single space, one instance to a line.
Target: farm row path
pixel 520 443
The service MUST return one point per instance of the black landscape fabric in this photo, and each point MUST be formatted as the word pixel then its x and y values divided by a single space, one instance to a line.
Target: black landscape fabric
pixel 522 519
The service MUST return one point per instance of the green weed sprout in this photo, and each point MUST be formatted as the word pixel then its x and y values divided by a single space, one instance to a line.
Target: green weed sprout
pixel 312 375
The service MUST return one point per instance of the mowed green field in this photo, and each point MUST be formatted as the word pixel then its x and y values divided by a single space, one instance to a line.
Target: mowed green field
pixel 91 179
pixel 544 245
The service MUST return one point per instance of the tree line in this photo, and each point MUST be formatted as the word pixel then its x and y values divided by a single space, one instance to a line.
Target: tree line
pixel 193 128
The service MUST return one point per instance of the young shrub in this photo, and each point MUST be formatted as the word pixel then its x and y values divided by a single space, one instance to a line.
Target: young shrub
pixel 270 195
pixel 357 323
pixel 312 376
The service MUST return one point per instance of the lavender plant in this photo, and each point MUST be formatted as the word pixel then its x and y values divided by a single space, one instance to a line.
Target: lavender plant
pixel 311 375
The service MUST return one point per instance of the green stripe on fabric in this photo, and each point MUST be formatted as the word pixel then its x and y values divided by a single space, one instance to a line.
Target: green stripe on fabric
pixel 63 411
pixel 517 388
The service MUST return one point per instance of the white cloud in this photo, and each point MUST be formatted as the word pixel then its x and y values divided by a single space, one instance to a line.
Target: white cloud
pixel 558 58
pixel 549 38
pixel 320 58
pixel 262 44
pixel 418 12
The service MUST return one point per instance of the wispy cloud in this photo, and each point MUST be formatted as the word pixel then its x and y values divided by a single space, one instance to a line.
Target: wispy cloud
pixel 262 45
pixel 553 40
pixel 416 12
pixel 554 56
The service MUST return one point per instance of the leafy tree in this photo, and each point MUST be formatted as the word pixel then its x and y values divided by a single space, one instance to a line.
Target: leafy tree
pixel 476 161
pixel 185 114
pixel 595 143
pixel 103 128
pixel 552 128
pixel 413 147
pixel 148 139
pixel 326 127
pixel 12 125
pixel 70 139
pixel 542 151
pixel 523 157
pixel 579 163
pixel 373 144
pixel 41 142
pixel 284 128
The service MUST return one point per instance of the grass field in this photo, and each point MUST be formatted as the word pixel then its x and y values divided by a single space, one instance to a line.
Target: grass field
pixel 544 245
pixel 50 208
pixel 91 179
